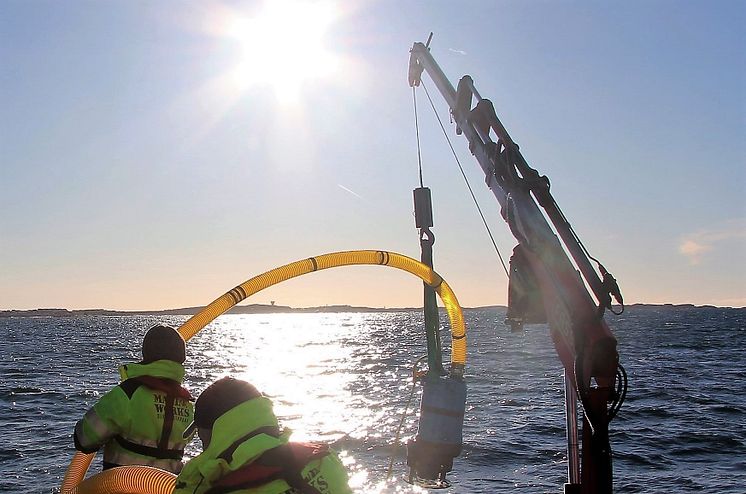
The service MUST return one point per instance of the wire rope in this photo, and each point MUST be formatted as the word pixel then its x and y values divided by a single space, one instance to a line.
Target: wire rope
pixel 415 375
pixel 468 184
pixel 417 131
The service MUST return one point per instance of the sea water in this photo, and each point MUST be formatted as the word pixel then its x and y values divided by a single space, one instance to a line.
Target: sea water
pixel 344 378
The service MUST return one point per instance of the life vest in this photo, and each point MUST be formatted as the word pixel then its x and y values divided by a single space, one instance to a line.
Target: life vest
pixel 285 462
pixel 172 390
pixel 140 421
pixel 240 438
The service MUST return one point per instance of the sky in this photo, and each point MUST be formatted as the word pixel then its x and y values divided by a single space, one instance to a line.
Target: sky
pixel 156 154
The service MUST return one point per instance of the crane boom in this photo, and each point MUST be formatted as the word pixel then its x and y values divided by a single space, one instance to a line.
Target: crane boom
pixel 583 340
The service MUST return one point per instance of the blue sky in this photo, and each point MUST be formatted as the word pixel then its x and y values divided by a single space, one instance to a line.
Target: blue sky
pixel 133 176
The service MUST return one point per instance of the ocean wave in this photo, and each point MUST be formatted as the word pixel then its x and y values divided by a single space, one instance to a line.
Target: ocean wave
pixel 9 454
pixel 680 430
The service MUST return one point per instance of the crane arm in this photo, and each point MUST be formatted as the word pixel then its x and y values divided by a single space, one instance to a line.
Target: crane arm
pixel 583 340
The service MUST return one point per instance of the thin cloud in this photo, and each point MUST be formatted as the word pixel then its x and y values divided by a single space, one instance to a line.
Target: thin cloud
pixel 695 245
pixel 454 50
pixel 693 250
pixel 351 192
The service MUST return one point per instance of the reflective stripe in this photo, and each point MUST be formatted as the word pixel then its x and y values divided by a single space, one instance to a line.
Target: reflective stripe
pixel 148 443
pixel 122 457
pixel 171 454
pixel 98 426
pixel 91 432
pixel 84 441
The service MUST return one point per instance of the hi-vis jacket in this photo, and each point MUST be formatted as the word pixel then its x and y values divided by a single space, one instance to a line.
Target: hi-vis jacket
pixel 243 453
pixel 140 421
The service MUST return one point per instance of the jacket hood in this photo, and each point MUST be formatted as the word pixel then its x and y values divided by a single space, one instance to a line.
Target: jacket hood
pixel 230 427
pixel 167 369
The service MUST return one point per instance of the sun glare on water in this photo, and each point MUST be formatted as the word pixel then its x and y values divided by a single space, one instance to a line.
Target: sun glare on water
pixel 282 46
pixel 329 376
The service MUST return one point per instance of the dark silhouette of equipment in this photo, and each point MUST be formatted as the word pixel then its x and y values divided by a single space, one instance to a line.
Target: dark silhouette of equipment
pixel 545 284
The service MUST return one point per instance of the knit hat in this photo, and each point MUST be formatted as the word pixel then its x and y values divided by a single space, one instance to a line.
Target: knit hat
pixel 218 398
pixel 163 343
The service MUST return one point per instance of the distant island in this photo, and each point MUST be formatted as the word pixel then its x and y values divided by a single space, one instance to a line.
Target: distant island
pixel 264 309
pixel 188 311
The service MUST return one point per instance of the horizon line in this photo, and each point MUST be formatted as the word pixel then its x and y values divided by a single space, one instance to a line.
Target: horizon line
pixel 270 308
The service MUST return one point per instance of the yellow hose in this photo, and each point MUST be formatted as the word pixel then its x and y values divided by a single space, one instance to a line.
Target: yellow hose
pixel 129 480
pixel 76 471
pixel 333 260
pixel 128 477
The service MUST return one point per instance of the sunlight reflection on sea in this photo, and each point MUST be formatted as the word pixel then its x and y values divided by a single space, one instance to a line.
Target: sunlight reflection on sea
pixel 345 377
pixel 324 373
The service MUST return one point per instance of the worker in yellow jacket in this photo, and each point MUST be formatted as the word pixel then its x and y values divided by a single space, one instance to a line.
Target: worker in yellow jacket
pixel 245 452
pixel 142 420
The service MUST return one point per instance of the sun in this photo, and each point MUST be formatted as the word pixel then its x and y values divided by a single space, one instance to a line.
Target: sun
pixel 282 46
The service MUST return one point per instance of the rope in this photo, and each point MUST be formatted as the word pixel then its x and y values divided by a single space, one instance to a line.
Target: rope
pixel 404 415
pixel 468 185
pixel 621 392
pixel 417 131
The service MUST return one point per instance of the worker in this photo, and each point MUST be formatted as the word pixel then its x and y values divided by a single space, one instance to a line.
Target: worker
pixel 142 420
pixel 244 450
